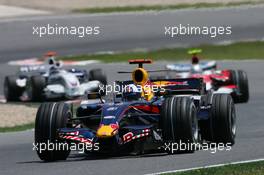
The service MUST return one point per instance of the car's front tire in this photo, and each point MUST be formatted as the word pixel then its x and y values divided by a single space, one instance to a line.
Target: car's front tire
pixel 179 122
pixel 12 92
pixel 35 87
pixel 223 119
pixel 240 79
pixel 50 117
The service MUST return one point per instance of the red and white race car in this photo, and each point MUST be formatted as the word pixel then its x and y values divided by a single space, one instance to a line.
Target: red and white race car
pixel 233 82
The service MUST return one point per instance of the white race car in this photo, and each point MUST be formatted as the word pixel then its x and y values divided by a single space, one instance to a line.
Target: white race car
pixel 51 82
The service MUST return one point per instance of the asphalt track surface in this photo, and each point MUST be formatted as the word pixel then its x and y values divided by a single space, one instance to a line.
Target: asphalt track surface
pixel 120 32
pixel 17 157
pixel 126 32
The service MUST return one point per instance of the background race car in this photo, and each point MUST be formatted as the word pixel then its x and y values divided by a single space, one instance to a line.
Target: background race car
pixel 233 82
pixel 51 82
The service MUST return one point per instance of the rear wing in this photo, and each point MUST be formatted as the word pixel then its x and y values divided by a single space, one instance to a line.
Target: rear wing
pixel 182 86
pixel 209 65
pixel 140 62
pixel 174 86
pixel 28 71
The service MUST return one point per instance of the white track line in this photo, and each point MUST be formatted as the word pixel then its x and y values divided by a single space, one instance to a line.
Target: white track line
pixel 208 166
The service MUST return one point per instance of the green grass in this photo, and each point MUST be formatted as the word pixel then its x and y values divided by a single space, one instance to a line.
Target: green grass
pixel 255 168
pixel 236 51
pixel 18 128
pixel 163 7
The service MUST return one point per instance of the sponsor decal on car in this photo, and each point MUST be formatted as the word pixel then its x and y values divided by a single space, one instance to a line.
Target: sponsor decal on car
pixel 130 136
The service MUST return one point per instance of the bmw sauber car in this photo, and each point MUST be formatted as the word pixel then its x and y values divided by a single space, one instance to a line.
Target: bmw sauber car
pixel 51 82
pixel 135 121
pixel 233 82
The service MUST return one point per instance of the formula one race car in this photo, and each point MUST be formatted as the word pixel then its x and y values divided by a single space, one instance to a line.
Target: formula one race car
pixel 145 115
pixel 234 82
pixel 51 82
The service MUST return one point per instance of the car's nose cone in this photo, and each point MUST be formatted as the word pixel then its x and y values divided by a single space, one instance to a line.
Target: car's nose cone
pixel 105 131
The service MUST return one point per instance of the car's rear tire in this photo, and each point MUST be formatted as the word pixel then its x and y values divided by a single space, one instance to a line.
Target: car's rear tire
pixel 179 122
pixel 223 119
pixel 12 92
pixel 243 86
pixel 239 78
pixel 50 117
pixel 98 74
pixel 35 87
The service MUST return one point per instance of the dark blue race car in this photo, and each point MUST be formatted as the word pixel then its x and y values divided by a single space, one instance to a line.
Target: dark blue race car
pixel 180 111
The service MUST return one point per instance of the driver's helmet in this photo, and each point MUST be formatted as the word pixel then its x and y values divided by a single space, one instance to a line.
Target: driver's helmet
pixel 195 60
pixel 55 67
pixel 50 58
pixel 51 61
pixel 194 53
pixel 131 92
